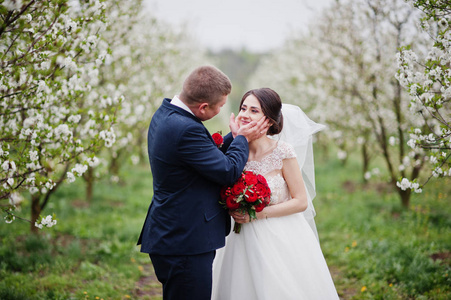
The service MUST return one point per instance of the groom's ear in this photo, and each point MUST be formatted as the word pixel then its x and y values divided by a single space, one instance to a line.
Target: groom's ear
pixel 203 107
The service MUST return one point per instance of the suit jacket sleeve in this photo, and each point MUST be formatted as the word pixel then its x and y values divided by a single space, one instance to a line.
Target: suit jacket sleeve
pixel 197 151
pixel 228 139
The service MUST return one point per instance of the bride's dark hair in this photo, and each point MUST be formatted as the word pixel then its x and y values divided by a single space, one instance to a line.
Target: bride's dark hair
pixel 271 107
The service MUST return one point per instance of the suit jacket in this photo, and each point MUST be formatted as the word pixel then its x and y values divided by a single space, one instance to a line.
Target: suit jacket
pixel 188 169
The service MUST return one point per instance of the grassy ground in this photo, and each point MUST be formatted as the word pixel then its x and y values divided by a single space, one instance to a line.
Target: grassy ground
pixel 90 254
pixel 374 248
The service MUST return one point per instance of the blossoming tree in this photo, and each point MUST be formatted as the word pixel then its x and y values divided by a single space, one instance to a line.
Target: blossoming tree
pixel 149 60
pixel 348 73
pixel 52 122
pixel 428 80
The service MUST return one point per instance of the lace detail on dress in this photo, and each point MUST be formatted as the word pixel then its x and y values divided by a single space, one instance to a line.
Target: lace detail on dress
pixel 272 161
pixel 279 189
pixel 270 166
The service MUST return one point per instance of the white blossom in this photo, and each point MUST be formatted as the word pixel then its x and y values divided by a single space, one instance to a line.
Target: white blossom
pixel 411 143
pixel 47 222
pixel 45 65
pixel 70 64
pixel 34 155
pixel 9 219
pixel 114 179
pixel 134 159
pixel 108 136
pixel 12 4
pixel 404 184
pixel 50 184
pixel 15 199
pixel 433 159
pixel 79 169
pixel 9 166
pixel 33 190
pixel 392 141
pixel 93 162
pixel 74 119
pixel 443 23
pixel 70 177
pixel 342 155
pixel 63 131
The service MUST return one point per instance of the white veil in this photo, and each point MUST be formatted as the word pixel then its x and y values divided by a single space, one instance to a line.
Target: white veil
pixel 298 130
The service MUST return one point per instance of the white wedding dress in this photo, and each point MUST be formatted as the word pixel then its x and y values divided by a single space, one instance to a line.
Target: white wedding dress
pixel 274 258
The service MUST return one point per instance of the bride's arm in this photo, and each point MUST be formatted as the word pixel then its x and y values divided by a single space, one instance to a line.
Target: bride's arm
pixel 298 203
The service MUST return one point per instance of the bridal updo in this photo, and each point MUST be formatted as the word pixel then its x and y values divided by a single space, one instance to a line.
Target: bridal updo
pixel 271 107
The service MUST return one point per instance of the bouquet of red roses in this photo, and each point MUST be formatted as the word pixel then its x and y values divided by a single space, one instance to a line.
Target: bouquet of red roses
pixel 250 194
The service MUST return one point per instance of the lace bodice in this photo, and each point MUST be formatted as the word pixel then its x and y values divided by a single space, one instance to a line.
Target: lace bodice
pixel 270 167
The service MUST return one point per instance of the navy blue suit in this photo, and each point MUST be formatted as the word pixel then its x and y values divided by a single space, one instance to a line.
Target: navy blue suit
pixel 185 217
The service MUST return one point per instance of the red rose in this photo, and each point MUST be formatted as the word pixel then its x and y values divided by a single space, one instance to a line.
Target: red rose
pixel 238 188
pixel 267 192
pixel 251 196
pixel 262 186
pixel 259 207
pixel 261 179
pixel 231 203
pixel 250 178
pixel 217 138
pixel 260 189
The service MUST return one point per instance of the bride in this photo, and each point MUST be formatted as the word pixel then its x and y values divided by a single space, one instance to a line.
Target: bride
pixel 277 256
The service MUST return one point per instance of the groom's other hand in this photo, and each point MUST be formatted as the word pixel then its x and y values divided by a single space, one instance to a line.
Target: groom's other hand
pixel 233 125
pixel 254 130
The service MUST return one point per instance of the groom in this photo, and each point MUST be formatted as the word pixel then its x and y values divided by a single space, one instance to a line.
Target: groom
pixel 185 223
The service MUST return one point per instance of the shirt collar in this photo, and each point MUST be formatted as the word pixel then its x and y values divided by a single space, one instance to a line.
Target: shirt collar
pixel 177 102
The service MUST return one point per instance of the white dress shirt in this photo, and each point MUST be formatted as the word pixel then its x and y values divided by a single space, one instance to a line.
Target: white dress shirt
pixel 177 102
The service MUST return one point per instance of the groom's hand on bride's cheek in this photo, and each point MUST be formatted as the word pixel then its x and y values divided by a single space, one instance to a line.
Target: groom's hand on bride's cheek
pixel 262 126
pixel 257 129
pixel 252 130
pixel 234 125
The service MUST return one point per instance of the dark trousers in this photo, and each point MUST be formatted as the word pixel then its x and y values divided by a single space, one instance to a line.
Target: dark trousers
pixel 184 276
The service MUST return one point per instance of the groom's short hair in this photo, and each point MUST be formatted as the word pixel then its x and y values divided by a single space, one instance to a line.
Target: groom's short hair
pixel 205 84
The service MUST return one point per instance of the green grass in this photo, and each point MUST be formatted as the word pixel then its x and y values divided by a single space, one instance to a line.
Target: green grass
pixel 90 254
pixel 374 248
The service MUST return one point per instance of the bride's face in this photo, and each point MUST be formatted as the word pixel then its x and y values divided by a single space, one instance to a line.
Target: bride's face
pixel 250 110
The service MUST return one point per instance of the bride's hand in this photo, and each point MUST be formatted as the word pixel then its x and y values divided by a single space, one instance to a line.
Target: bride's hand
pixel 239 217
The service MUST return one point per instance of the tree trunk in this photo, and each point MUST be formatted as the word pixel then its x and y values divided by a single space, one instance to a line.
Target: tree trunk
pixel 141 141
pixel 366 161
pixel 89 179
pixel 405 197
pixel 35 212
pixel 114 165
